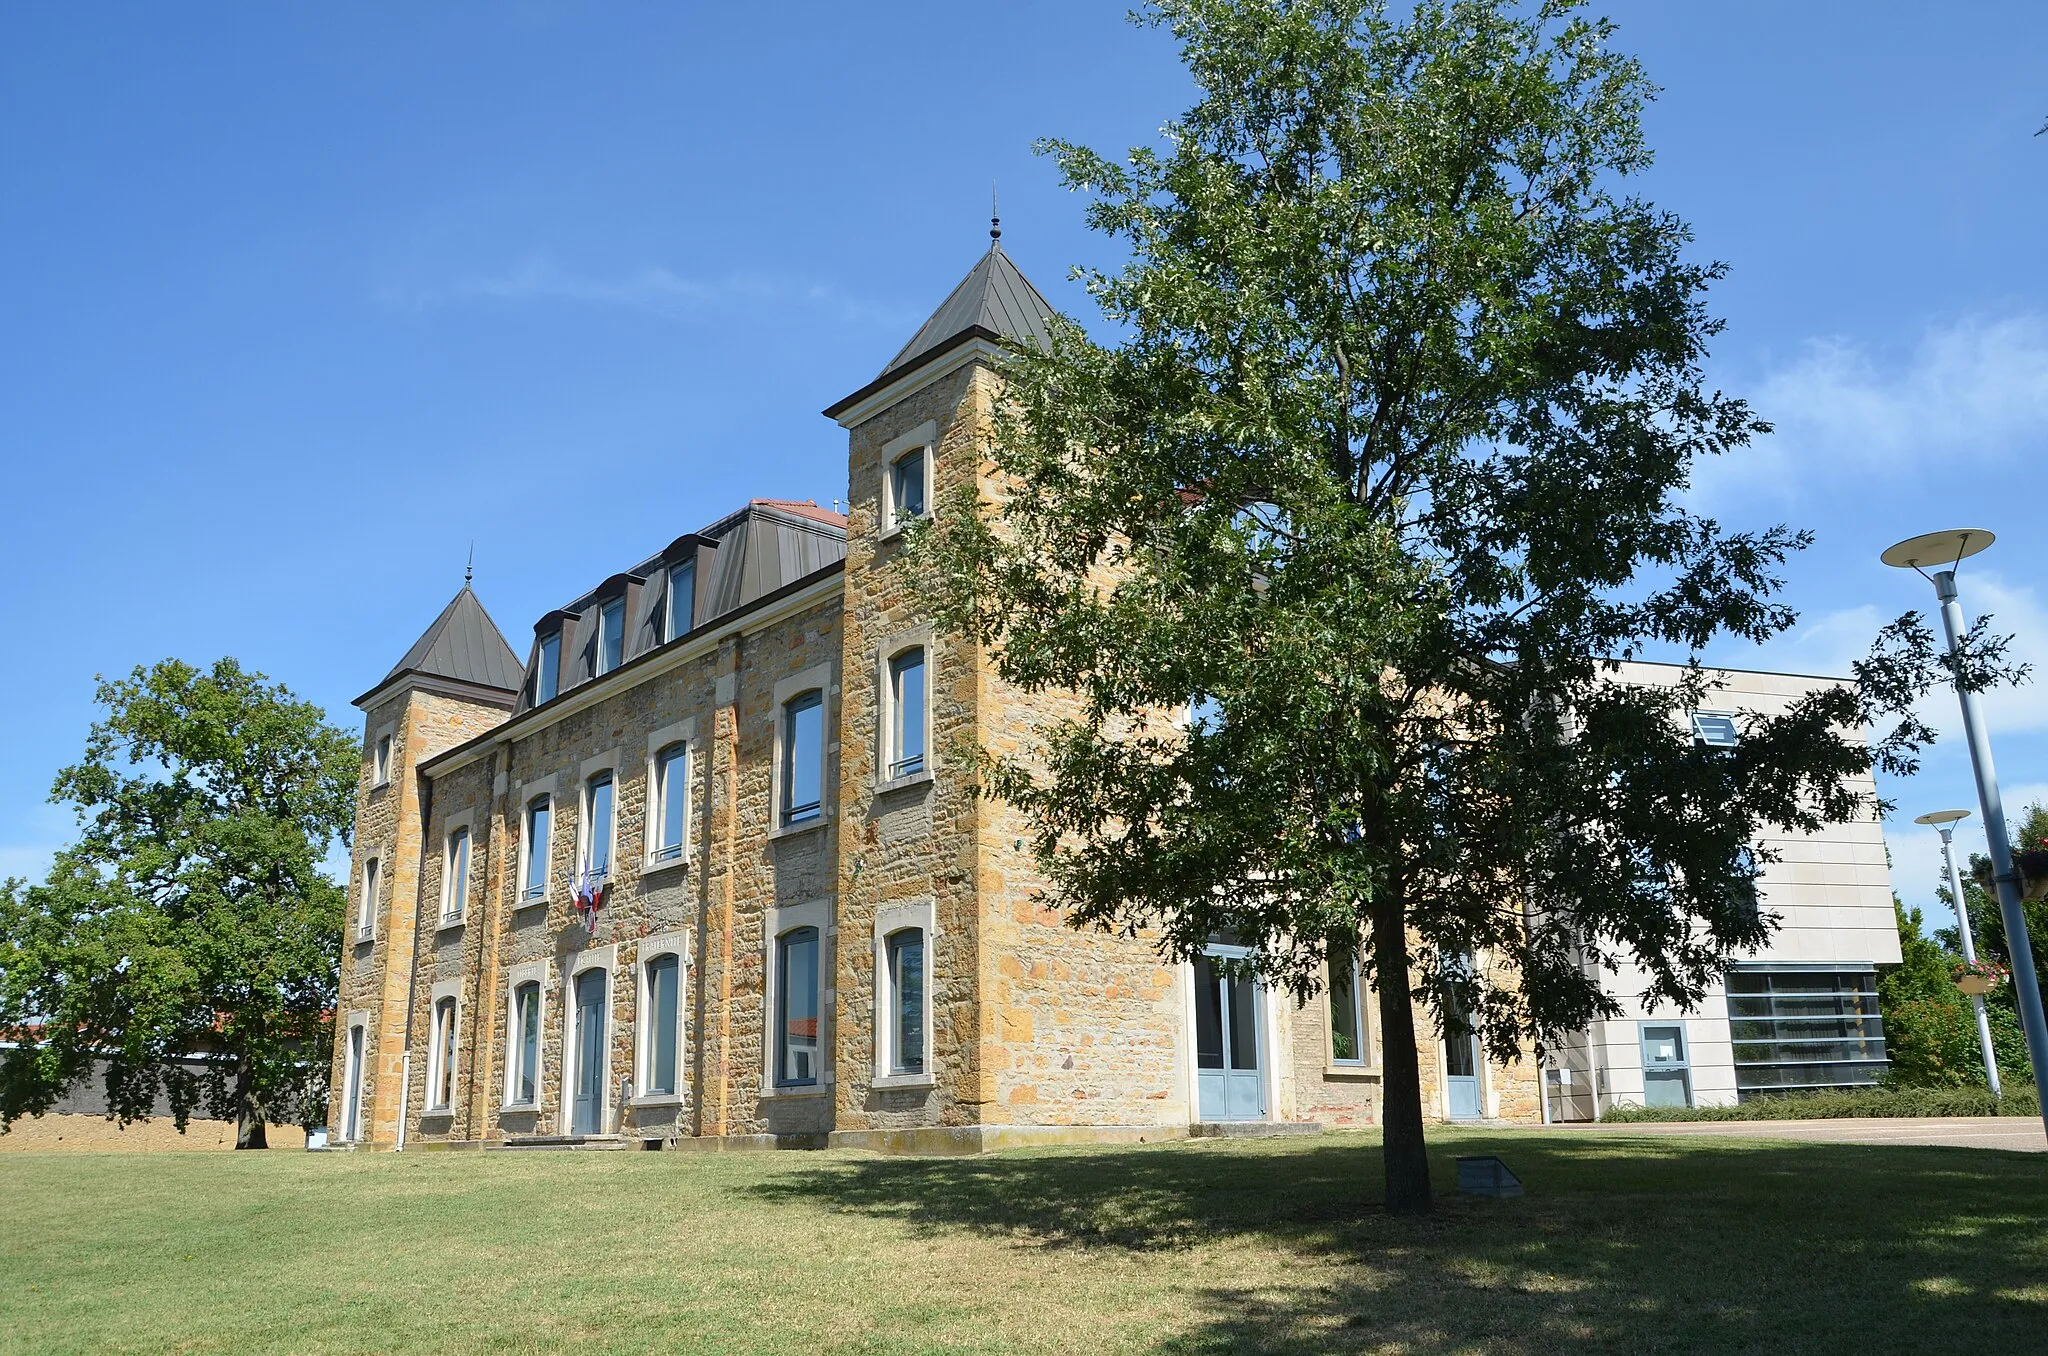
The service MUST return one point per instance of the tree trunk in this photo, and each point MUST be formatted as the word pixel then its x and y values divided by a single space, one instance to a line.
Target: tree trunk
pixel 249 1129
pixel 1407 1157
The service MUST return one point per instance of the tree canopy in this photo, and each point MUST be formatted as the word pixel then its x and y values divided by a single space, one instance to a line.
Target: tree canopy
pixel 186 948
pixel 1337 540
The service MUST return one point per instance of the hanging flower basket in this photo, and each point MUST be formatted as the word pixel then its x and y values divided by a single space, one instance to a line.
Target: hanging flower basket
pixel 1981 978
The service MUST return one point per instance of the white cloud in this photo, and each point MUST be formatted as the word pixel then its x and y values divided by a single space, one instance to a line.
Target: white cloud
pixel 1974 390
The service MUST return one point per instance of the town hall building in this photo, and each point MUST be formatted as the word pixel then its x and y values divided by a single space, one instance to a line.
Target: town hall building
pixel 695 871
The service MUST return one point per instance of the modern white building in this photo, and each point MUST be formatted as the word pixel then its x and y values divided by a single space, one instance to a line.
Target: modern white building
pixel 1797 1016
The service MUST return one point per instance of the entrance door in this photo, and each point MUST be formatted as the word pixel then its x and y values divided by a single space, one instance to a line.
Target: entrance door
pixel 352 1089
pixel 1229 1039
pixel 587 1110
pixel 1461 1061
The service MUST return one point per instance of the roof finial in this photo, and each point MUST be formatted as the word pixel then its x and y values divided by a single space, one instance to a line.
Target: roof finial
pixel 469 570
pixel 995 222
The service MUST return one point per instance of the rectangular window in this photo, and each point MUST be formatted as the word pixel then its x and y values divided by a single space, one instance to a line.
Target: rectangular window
pixel 1667 1077
pixel 667 800
pixel 803 757
pixel 906 1001
pixel 1713 730
pixel 538 814
pixel 441 1057
pixel 380 771
pixel 611 634
pixel 1347 1007
pixel 1798 1030
pixel 682 598
pixel 664 995
pixel 906 487
pixel 547 677
pixel 373 891
pixel 526 1043
pixel 796 1008
pixel 597 835
pixel 352 1088
pixel 906 714
pixel 455 876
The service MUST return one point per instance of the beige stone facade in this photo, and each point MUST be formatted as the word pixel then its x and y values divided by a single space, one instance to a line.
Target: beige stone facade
pixel 994 1023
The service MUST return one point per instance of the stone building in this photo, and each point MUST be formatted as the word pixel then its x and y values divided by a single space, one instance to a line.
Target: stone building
pixel 808 931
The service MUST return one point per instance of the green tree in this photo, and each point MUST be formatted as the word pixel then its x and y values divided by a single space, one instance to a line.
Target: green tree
pixel 1389 453
pixel 192 917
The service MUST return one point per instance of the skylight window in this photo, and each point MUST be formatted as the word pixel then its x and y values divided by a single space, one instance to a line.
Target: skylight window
pixel 1713 730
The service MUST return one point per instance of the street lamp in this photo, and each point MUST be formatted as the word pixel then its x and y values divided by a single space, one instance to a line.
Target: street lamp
pixel 1943 551
pixel 1944 822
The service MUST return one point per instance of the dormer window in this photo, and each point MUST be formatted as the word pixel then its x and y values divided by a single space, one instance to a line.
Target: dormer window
pixel 1714 730
pixel 611 634
pixel 909 487
pixel 682 598
pixel 547 673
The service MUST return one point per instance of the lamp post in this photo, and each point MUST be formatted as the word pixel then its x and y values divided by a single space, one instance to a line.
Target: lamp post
pixel 1944 822
pixel 1943 551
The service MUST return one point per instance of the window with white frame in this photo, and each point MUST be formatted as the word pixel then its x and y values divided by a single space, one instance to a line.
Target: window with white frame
pixel 682 598
pixel 372 899
pixel 661 1032
pixel 797 1003
pixel 668 799
pixel 352 1083
pixel 380 762
pixel 904 724
pixel 909 489
pixel 441 1057
pixel 597 827
pixel 522 1080
pixel 904 953
pixel 455 876
pixel 534 878
pixel 611 634
pixel 1349 1033
pixel 803 757
pixel 547 672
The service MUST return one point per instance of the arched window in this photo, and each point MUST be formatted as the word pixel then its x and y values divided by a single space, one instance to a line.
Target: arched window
pixel 909 486
pixel 797 1001
pixel 523 1077
pixel 904 726
pixel 668 796
pixel 906 994
pixel 597 826
pixel 803 757
pixel 372 900
pixel 455 876
pixel 441 1058
pixel 661 1025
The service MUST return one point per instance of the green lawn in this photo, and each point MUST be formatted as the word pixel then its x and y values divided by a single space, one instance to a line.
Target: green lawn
pixel 1622 1244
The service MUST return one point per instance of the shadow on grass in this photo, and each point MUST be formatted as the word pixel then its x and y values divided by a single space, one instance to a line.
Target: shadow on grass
pixel 1620 1245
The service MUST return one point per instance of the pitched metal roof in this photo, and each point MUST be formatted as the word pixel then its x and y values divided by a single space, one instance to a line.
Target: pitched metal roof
pixel 463 644
pixel 995 298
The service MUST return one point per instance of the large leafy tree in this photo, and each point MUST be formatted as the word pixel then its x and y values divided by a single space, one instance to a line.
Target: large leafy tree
pixel 192 918
pixel 1390 453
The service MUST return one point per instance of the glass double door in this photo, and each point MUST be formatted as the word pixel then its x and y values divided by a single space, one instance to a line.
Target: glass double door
pixel 1230 1040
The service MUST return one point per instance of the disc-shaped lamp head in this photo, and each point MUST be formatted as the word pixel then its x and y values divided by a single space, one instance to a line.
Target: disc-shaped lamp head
pixel 1939 817
pixel 1938 550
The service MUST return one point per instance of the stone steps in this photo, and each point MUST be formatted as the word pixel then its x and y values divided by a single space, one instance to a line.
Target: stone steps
pixel 1252 1129
pixel 576 1143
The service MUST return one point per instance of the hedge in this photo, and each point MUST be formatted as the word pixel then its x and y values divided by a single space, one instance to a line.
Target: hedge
pixel 2019 1100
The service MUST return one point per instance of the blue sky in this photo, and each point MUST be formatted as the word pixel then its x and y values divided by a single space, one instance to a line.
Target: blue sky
pixel 299 302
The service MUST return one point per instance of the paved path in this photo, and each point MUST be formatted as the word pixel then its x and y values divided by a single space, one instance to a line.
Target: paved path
pixel 1970 1132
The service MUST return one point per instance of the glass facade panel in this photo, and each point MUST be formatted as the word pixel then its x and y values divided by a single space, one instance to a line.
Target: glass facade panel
pixel 1801 1030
